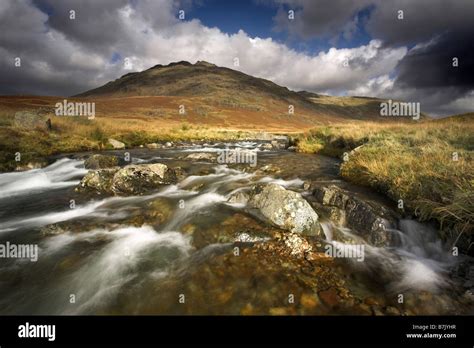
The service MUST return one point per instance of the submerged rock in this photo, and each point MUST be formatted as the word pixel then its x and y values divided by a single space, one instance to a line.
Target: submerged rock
pixel 371 221
pixel 180 173
pixel 297 245
pixel 285 209
pixel 52 230
pixel 98 161
pixel 201 156
pixel 133 179
pixel 268 169
pixel 38 164
pixel 239 197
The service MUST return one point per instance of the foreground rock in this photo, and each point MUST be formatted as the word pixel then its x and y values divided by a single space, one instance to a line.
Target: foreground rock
pixel 285 209
pixel 371 221
pixel 129 180
pixel 101 161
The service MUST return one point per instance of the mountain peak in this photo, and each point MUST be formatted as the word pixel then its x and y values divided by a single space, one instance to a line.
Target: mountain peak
pixel 181 62
pixel 204 63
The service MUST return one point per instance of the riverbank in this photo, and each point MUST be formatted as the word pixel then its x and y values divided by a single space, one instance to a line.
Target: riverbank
pixel 426 168
pixel 68 135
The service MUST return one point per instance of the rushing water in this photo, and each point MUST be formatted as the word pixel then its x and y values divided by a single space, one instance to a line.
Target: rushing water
pixel 171 251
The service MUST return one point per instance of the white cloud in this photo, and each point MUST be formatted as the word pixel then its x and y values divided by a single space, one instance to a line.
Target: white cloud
pixel 376 87
pixel 66 47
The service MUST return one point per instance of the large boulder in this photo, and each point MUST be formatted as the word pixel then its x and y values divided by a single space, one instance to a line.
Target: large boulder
pixel 31 120
pixel 370 220
pixel 129 180
pixel 98 161
pixel 139 178
pixel 285 209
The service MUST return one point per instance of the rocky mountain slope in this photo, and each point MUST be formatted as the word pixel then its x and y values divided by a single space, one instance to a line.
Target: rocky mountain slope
pixel 219 87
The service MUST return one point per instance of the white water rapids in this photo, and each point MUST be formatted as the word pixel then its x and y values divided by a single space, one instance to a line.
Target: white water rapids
pixel 97 264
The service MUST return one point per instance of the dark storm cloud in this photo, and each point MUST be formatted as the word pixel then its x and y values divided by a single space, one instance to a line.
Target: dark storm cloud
pixel 60 55
pixel 86 29
pixel 441 30
pixel 102 25
pixel 324 19
pixel 422 19
pixel 432 65
pixel 429 74
pixel 29 80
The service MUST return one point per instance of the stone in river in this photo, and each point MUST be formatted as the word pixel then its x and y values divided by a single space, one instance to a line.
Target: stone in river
pixel 285 209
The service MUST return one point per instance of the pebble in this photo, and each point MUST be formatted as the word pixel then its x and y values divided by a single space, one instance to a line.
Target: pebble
pixel 309 301
pixel 329 297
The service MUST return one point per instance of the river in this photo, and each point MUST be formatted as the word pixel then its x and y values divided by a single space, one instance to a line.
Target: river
pixel 185 249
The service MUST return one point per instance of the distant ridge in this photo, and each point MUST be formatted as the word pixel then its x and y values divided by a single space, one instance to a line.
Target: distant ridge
pixel 223 87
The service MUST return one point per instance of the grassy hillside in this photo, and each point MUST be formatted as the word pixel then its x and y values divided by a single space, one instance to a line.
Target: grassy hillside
pixel 212 90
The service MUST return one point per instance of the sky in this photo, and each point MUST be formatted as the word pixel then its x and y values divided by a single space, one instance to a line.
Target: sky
pixel 412 50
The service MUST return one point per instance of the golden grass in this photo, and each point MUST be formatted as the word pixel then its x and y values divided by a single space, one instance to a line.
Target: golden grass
pixel 72 134
pixel 428 165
